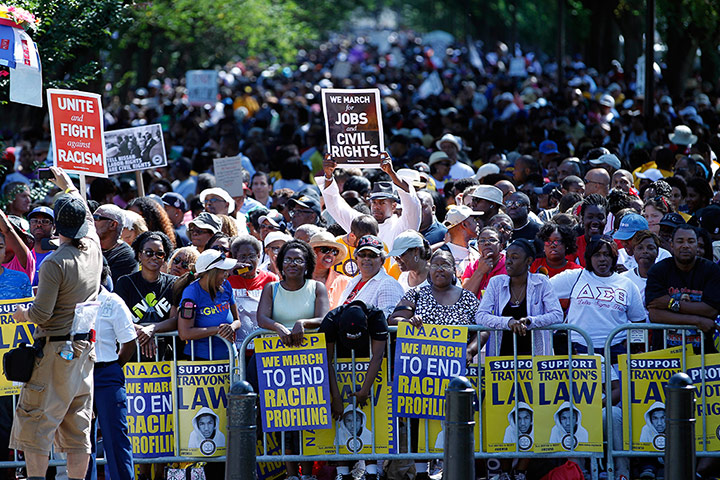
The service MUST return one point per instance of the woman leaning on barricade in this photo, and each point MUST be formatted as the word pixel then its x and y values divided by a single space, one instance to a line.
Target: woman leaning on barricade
pixel 518 301
pixel 149 295
pixel 441 302
pixel 290 307
pixel 600 298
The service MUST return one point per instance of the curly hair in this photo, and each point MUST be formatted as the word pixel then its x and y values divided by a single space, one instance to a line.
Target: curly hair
pixel 308 253
pixel 156 218
pixel 145 237
pixel 567 236
pixel 228 227
pixel 660 203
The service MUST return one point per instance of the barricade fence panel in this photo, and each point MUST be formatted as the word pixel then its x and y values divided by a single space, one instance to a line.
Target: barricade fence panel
pixel 404 416
pixel 643 370
pixel 177 403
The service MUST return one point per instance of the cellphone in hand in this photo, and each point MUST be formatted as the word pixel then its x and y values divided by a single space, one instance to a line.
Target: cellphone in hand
pixel 45 174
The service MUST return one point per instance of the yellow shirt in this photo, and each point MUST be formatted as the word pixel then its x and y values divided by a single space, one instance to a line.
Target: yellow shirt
pixel 348 266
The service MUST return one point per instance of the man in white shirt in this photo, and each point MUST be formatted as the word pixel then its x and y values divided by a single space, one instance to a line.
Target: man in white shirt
pixel 383 202
pixel 450 144
pixel 462 226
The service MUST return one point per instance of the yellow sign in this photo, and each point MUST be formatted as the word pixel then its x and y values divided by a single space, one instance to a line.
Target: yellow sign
pixel 568 415
pixel 711 409
pixel 11 336
pixel 505 429
pixel 354 432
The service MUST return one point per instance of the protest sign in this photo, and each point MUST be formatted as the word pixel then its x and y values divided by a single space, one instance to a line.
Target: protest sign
pixel 76 127
pixel 11 336
pixel 426 359
pixel 202 388
pixel 644 405
pixel 229 175
pixel 150 418
pixel 353 126
pixel 436 428
pixel 135 149
pixel 270 470
pixel 431 86
pixel 502 434
pixel 294 385
pixel 568 416
pixel 202 87
pixel 710 411
pixel 354 433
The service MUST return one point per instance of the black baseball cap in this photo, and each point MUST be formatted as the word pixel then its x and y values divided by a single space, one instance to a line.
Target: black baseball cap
pixel 383 190
pixel 70 216
pixel 672 220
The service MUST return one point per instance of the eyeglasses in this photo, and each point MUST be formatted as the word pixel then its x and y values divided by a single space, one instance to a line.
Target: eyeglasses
pixel 41 221
pixel 437 266
pixel 515 204
pixel 367 255
pixel 197 231
pixel 183 263
pixel 301 212
pixel 100 218
pixel 151 253
pixel 214 200
pixel 326 250
pixel 552 243
pixel 599 183
pixel 488 241
pixel 294 261
pixel 220 248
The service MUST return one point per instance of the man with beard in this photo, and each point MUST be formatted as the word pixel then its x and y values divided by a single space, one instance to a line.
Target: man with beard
pixel 684 290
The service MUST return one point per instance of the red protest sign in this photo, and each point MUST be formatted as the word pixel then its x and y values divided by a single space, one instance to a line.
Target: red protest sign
pixel 76 125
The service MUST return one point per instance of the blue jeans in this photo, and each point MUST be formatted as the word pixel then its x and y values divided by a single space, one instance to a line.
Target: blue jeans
pixel 111 411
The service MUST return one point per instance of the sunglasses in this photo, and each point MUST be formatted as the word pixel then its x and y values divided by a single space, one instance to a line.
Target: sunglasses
pixel 197 231
pixel 220 248
pixel 552 243
pixel 151 253
pixel 301 212
pixel 515 204
pixel 100 218
pixel 214 200
pixel 326 250
pixel 41 221
pixel 367 255
pixel 183 263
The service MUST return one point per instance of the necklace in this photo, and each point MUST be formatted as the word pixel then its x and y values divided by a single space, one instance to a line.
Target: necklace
pixel 516 300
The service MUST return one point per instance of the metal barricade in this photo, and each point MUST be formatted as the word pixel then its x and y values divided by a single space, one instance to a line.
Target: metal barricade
pixel 426 455
pixel 615 451
pixel 172 459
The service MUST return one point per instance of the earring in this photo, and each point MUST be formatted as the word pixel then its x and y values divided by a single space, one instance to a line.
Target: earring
pixel 416 259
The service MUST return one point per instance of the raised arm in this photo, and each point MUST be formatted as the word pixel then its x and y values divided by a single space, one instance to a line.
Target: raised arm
pixel 335 204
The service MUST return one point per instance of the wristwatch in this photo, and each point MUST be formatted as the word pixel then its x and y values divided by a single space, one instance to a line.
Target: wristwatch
pixel 674 305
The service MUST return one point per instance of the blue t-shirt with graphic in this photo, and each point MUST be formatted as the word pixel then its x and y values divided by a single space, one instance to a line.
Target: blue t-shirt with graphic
pixel 14 284
pixel 209 313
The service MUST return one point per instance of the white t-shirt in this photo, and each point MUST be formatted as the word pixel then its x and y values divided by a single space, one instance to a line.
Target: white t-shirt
pixel 113 325
pixel 599 304
pixel 461 170
pixel 639 282
pixel 629 261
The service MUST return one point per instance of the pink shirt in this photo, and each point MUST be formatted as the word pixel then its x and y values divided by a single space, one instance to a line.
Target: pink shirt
pixel 498 270
pixel 29 269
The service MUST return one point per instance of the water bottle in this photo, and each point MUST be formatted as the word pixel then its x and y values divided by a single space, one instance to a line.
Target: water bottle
pixel 67 352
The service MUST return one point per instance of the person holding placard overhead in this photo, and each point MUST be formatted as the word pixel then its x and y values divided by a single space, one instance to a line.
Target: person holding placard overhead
pixel 383 201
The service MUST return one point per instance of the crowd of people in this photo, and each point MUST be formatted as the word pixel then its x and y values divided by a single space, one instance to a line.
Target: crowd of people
pixel 503 200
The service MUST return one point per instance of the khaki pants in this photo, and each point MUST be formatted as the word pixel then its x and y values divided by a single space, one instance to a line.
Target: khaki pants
pixel 56 404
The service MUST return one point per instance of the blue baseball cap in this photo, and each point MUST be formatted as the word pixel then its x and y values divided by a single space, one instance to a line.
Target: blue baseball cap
pixel 42 211
pixel 548 146
pixel 630 224
pixel 175 200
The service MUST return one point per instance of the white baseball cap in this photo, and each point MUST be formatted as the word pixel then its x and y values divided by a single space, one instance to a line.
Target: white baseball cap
pixel 210 259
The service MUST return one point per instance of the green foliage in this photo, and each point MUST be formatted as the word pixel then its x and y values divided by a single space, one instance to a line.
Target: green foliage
pixel 69 39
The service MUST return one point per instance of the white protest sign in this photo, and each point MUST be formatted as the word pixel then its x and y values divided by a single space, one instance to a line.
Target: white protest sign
pixel 202 87
pixel 229 175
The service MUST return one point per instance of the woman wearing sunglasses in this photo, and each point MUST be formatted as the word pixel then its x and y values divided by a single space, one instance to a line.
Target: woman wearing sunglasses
pixel 559 243
pixel 182 261
pixel 328 250
pixel 148 293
